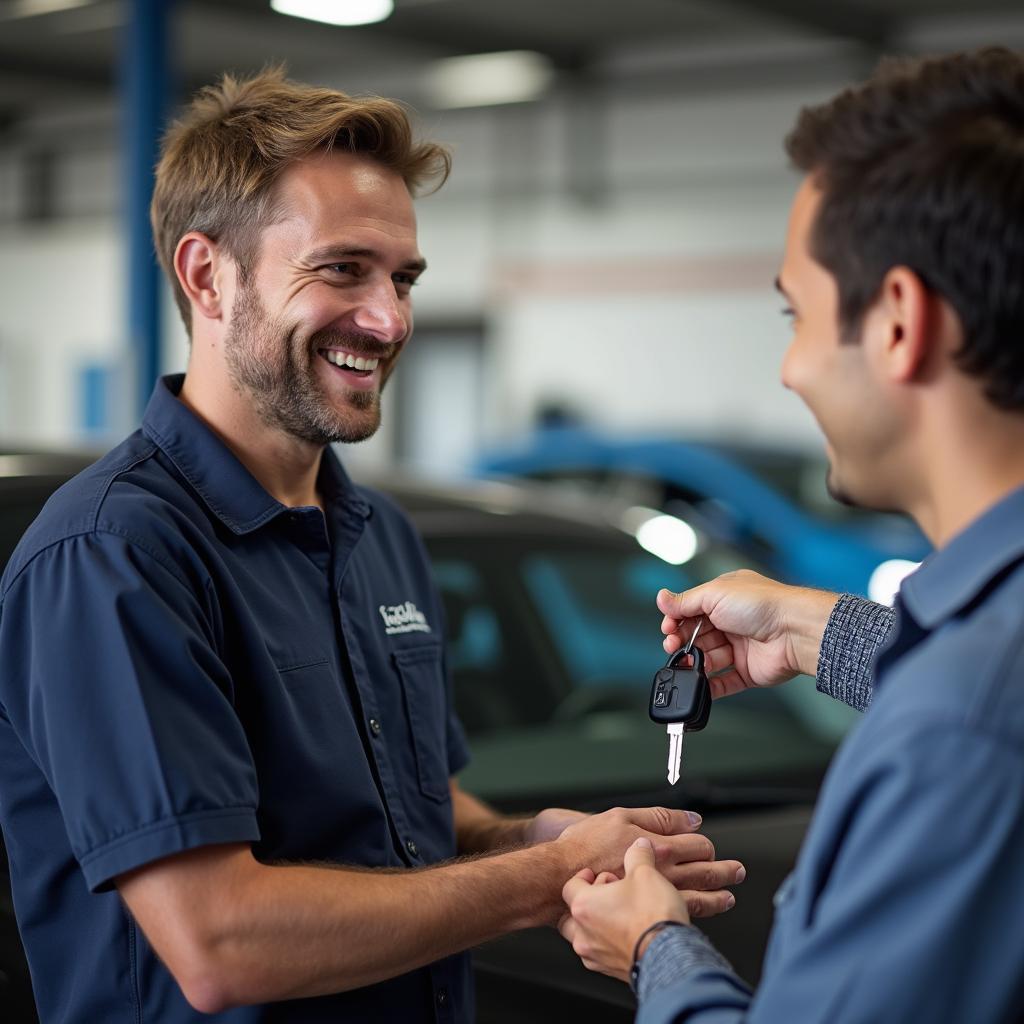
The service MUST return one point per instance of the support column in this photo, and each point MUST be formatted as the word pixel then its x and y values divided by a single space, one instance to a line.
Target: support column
pixel 144 93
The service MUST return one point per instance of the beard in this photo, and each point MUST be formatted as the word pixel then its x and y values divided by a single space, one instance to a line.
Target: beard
pixel 276 369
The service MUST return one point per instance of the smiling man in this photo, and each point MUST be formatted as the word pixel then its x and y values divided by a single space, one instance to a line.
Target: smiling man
pixel 223 697
pixel 903 270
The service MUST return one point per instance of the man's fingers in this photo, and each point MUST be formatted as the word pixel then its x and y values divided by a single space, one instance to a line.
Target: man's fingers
pixel 685 605
pixel 579 882
pixel 705 876
pixel 640 853
pixel 727 684
pixel 694 848
pixel 708 904
pixel 718 652
pixel 678 635
pixel 689 605
pixel 605 877
pixel 665 821
pixel 568 928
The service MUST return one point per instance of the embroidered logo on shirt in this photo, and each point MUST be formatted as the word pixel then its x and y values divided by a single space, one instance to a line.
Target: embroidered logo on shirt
pixel 403 618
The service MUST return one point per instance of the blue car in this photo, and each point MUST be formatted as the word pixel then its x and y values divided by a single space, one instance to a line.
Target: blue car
pixel 866 557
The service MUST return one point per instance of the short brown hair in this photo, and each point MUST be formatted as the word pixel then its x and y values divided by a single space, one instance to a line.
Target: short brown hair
pixel 220 161
pixel 923 166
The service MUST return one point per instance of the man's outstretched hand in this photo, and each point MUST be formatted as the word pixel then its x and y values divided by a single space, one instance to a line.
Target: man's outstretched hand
pixel 757 632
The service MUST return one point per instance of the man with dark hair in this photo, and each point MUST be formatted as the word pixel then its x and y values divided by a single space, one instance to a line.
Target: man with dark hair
pixel 904 274
pixel 210 712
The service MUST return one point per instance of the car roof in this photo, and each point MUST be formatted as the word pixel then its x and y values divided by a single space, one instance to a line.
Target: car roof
pixel 487 508
pixel 28 462
pixel 439 509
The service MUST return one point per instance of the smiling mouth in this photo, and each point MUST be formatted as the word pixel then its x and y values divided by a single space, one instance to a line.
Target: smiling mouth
pixel 361 366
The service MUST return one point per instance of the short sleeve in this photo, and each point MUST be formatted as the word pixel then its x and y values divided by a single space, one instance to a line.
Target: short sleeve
pixel 112 683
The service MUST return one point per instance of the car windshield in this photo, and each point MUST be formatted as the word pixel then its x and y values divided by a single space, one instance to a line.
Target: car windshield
pixel 553 647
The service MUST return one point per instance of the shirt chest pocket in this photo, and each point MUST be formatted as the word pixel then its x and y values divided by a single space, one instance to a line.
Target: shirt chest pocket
pixel 423 689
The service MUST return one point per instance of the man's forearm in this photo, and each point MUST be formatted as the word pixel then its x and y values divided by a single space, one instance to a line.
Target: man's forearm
pixel 267 933
pixel 480 829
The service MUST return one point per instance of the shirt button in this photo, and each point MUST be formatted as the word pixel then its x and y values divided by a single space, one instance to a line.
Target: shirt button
pixel 442 998
pixel 374 726
pixel 412 848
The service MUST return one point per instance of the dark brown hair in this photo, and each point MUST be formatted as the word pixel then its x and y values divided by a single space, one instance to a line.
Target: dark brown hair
pixel 923 166
pixel 221 160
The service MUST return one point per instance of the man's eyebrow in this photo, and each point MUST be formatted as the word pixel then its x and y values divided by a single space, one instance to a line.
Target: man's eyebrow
pixel 340 253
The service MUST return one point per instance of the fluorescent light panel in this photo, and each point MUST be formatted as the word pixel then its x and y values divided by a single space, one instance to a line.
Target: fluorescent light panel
pixel 336 12
pixel 485 79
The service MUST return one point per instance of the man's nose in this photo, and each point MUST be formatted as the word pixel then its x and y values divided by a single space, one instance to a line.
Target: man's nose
pixel 380 313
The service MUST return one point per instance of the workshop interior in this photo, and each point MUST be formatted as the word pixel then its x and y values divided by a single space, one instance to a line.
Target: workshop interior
pixel 588 409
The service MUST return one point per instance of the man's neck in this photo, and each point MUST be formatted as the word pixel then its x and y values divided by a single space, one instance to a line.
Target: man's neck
pixel 974 458
pixel 285 466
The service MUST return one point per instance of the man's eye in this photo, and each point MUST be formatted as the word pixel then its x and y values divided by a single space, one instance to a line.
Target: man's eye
pixel 340 268
pixel 788 312
pixel 407 279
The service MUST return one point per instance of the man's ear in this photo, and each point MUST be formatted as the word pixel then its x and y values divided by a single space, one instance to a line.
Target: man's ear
pixel 909 322
pixel 199 264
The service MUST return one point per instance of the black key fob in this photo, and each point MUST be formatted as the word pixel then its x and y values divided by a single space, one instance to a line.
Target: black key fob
pixel 681 693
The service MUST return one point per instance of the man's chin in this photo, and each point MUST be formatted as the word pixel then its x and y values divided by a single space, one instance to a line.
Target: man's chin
pixel 874 503
pixel 839 493
pixel 357 428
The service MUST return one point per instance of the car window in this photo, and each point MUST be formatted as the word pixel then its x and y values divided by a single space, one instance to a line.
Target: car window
pixel 552 649
pixel 609 628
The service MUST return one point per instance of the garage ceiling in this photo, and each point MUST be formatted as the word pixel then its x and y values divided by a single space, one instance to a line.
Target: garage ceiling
pixel 56 61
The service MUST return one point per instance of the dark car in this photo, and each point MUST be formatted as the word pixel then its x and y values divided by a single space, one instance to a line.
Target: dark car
pixel 553 640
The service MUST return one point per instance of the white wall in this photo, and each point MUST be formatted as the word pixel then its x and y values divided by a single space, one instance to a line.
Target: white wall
pixel 651 306
pixel 62 308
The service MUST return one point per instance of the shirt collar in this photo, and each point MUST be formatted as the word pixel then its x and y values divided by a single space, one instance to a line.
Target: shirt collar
pixel 956 574
pixel 229 490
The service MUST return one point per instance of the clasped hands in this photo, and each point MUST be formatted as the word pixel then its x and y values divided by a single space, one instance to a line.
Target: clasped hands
pixel 669 873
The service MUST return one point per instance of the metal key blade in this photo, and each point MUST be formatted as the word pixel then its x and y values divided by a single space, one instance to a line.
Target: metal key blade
pixel 675 751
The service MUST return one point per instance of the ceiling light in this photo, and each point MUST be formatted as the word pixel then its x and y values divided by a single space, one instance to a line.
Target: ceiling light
pixel 514 76
pixel 667 537
pixel 886 579
pixel 336 12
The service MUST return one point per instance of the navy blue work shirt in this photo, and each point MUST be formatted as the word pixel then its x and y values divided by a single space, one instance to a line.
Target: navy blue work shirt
pixel 186 661
pixel 905 904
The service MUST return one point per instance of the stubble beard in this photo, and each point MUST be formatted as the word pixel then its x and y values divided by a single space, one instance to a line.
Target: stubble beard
pixel 269 364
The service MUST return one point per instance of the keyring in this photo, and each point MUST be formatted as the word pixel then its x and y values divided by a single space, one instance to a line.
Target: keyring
pixel 693 639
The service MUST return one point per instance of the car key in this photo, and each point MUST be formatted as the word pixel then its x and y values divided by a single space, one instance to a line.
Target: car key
pixel 681 700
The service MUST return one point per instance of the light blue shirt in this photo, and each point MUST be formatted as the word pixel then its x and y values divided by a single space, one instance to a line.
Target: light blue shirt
pixel 907 902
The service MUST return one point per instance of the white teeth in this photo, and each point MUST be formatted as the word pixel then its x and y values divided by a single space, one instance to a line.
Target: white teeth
pixel 350 360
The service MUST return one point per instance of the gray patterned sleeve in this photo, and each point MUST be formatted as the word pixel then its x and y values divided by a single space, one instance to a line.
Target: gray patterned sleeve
pixel 676 953
pixel 856 629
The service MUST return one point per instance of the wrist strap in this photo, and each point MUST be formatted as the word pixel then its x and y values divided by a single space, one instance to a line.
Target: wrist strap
pixel 634 971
